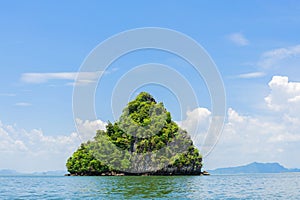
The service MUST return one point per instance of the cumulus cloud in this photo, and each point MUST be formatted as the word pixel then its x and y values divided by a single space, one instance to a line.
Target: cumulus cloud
pixel 248 138
pixel 279 57
pixel 86 129
pixel 79 78
pixel 197 123
pixel 284 96
pixel 238 39
pixel 245 138
pixel 32 150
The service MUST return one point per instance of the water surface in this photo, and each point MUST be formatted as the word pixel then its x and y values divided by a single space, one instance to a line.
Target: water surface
pixel 253 186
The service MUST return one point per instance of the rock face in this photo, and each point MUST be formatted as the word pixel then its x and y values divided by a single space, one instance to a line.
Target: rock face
pixel 145 141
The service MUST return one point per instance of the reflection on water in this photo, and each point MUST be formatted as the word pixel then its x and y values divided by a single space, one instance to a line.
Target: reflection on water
pixel 146 187
pixel 253 186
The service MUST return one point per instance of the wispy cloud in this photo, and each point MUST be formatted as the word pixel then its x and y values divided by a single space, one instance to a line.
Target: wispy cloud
pixel 275 57
pixel 23 104
pixel 109 71
pixel 45 77
pixel 7 94
pixel 81 82
pixel 238 39
pixel 251 75
pixel 82 77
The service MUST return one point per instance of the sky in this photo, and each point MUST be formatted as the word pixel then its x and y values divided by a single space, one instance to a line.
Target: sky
pixel 254 44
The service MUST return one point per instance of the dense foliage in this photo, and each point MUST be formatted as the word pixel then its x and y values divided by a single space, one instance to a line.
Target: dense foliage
pixel 145 133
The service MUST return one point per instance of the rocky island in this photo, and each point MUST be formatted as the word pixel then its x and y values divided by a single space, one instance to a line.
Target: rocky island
pixel 144 141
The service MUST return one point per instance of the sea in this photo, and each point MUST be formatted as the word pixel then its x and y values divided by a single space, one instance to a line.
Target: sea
pixel 244 186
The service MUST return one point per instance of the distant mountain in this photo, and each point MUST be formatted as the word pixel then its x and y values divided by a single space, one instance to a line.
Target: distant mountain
pixel 254 168
pixel 50 173
pixel 8 172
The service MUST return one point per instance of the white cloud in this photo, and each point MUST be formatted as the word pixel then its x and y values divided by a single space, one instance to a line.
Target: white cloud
pixel 279 57
pixel 196 124
pixel 8 94
pixel 30 151
pixel 285 138
pixel 82 78
pixel 251 75
pixel 23 104
pixel 86 129
pixel 45 77
pixel 248 138
pixel 238 39
pixel 284 95
pixel 281 60
pixel 80 82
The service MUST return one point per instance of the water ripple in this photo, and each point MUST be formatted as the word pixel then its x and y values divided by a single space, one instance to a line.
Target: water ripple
pixel 254 186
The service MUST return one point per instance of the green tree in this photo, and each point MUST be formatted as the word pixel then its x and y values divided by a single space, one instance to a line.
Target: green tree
pixel 144 127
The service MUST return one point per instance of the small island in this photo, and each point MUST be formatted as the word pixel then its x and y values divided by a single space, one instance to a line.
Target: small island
pixel 144 141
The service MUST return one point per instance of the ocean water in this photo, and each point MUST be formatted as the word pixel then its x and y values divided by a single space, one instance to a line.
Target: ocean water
pixel 251 186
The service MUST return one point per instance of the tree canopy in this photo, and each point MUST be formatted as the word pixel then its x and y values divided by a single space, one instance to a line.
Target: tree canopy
pixel 143 140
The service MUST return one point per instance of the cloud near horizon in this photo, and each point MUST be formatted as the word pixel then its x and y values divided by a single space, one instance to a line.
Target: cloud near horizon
pixel 245 138
pixel 33 151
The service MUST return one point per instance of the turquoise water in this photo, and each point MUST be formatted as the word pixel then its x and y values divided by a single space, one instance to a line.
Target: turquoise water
pixel 255 186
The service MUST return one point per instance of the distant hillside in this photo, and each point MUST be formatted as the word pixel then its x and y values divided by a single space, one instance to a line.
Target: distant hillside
pixel 254 168
pixel 8 172
pixel 50 173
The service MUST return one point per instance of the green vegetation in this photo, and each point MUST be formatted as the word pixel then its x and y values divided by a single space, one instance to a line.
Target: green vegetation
pixel 144 140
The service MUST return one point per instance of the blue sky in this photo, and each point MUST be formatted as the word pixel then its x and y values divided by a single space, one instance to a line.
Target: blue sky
pixel 251 42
